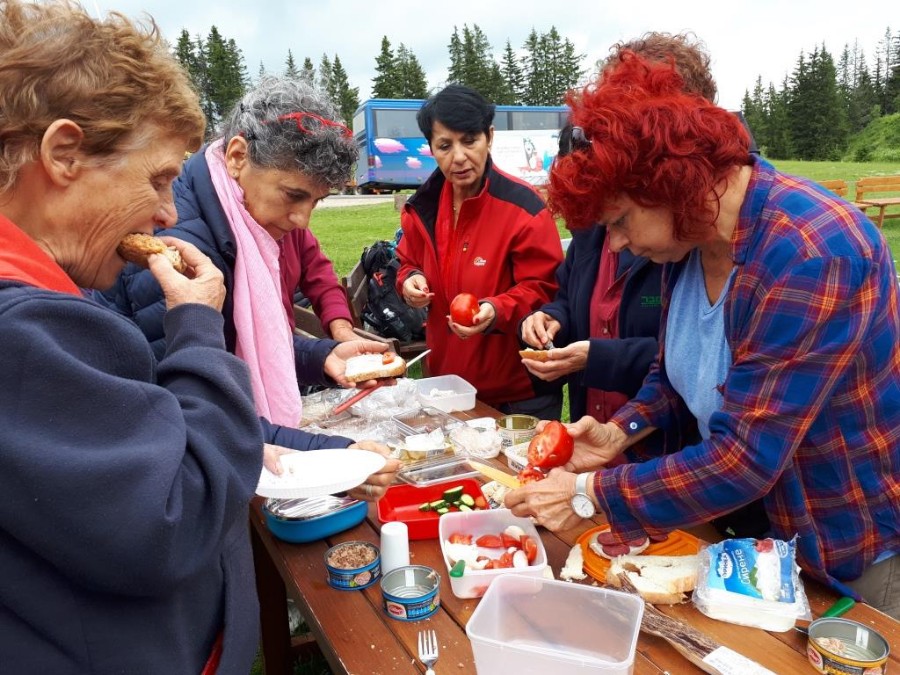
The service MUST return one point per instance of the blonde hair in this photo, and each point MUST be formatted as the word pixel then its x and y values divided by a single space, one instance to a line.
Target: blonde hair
pixel 112 77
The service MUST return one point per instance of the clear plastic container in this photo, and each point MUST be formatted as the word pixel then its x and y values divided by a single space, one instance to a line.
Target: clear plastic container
pixel 431 472
pixel 449 393
pixel 474 583
pixel 424 421
pixel 516 628
pixel 517 456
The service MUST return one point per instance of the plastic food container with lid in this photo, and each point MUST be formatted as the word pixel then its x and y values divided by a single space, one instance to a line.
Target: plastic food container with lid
pixel 449 393
pixel 516 628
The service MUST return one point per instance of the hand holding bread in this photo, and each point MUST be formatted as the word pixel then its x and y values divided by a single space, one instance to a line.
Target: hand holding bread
pixel 202 283
pixel 552 364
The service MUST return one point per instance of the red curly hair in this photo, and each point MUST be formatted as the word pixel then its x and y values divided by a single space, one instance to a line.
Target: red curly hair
pixel 650 141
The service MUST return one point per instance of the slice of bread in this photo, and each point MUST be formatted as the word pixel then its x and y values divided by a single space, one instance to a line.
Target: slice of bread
pixel 372 367
pixel 137 247
pixel 660 579
pixel 603 545
pixel 535 354
pixel 574 567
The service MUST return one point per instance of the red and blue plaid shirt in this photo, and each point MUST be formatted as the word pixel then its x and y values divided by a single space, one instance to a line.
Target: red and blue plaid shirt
pixel 811 413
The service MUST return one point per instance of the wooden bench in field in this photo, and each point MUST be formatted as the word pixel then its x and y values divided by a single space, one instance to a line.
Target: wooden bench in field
pixel 308 325
pixel 355 284
pixel 879 192
pixel 838 186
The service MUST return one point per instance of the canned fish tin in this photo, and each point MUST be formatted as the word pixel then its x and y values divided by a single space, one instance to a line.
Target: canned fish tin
pixel 844 647
pixel 411 593
pixel 352 565
pixel 515 429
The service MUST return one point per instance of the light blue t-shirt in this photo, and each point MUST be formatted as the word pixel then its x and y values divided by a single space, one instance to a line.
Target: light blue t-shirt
pixel 697 354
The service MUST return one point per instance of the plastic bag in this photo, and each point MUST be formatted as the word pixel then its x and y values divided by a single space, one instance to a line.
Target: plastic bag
pixel 476 441
pixel 752 582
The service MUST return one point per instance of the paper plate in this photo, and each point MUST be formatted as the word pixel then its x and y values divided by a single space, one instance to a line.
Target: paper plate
pixel 314 473
pixel 678 543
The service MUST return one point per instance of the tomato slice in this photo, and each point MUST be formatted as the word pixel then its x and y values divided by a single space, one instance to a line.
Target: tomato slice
pixel 530 547
pixel 459 538
pixel 387 358
pixel 505 560
pixel 509 541
pixel 553 446
pixel 489 541
pixel 529 474
pixel 481 502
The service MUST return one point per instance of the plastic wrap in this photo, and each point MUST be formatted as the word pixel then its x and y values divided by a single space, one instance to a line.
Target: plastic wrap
pixel 752 582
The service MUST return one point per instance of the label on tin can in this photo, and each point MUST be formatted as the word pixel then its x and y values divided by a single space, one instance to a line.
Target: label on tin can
pixel 515 429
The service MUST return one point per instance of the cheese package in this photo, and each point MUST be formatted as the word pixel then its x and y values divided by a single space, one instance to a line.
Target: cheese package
pixel 752 582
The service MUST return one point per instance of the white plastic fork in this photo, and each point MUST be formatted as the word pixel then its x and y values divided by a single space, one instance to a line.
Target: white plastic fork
pixel 428 650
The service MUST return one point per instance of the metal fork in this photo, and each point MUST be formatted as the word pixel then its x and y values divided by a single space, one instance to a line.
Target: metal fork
pixel 428 650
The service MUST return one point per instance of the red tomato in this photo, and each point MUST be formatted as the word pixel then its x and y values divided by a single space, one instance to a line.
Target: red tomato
pixel 552 447
pixel 489 541
pixel 387 358
pixel 505 560
pixel 459 538
pixel 530 547
pixel 508 541
pixel 481 502
pixel 463 309
pixel 529 474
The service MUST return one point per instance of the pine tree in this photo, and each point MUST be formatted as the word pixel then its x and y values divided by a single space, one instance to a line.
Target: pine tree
pixel 308 72
pixel 512 76
pixel 290 67
pixel 891 95
pixel 383 84
pixel 455 72
pixel 778 132
pixel 410 82
pixel 346 97
pixel 226 75
pixel 325 77
pixel 755 111
pixel 262 71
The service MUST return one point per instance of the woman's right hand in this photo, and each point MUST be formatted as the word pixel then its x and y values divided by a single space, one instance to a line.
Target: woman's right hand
pixel 539 328
pixel 560 361
pixel 415 291
pixel 204 284
pixel 595 444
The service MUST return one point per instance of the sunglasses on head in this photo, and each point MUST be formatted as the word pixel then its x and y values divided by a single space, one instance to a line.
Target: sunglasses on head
pixel 577 140
pixel 310 123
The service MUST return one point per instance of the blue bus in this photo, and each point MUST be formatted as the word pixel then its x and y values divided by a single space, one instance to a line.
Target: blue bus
pixel 393 154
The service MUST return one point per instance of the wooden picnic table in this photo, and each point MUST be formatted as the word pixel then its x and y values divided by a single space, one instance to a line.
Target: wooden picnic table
pixel 356 636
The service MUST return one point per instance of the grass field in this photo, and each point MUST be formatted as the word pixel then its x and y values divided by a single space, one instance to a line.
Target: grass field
pixel 344 232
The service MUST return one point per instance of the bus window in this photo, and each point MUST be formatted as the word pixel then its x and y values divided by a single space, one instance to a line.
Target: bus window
pixel 501 120
pixel 534 120
pixel 359 122
pixel 396 124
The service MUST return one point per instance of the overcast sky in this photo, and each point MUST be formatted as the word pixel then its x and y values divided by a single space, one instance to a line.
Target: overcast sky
pixel 745 39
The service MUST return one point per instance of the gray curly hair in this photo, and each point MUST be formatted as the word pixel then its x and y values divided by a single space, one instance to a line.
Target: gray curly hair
pixel 292 126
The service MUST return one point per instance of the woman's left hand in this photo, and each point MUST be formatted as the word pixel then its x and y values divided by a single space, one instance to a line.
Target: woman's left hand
pixel 272 457
pixel 548 501
pixel 336 361
pixel 561 361
pixel 378 483
pixel 481 322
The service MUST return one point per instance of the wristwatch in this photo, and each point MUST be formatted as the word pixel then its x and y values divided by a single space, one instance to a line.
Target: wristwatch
pixel 582 504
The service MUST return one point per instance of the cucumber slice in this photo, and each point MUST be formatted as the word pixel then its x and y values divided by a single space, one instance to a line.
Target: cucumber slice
pixel 468 500
pixel 453 493
pixel 438 504
pixel 441 511
pixel 425 507
pixel 465 507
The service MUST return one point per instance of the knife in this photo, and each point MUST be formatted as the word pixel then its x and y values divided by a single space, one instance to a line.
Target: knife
pixel 501 477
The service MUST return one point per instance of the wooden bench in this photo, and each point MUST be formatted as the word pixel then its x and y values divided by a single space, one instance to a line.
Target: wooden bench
pixel 867 191
pixel 307 324
pixel 837 186
pixel 356 286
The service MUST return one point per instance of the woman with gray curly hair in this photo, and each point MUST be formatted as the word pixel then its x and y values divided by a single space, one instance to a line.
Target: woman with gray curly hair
pixel 246 200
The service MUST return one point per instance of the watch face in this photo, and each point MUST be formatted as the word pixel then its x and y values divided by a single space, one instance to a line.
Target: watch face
pixel 583 506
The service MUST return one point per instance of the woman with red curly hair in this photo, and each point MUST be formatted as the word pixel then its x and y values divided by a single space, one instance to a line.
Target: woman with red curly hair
pixel 779 335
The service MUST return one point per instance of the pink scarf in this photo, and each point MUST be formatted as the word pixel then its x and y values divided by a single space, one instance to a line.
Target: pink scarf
pixel 264 337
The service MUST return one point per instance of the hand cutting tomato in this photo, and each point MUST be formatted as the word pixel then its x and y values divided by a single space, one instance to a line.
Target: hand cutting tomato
pixel 529 474
pixel 551 447
pixel 463 309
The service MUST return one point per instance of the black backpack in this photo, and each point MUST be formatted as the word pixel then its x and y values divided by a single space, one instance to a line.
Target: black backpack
pixel 385 311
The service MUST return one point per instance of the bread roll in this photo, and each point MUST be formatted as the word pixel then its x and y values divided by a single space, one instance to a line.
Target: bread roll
pixel 138 247
pixel 373 367
pixel 535 354
pixel 660 579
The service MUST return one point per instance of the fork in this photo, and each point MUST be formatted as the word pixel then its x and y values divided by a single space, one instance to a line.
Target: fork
pixel 428 650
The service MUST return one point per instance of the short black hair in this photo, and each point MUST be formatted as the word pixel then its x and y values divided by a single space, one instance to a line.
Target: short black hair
pixel 458 108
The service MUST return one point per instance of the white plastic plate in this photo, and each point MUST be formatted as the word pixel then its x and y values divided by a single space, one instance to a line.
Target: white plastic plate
pixel 314 473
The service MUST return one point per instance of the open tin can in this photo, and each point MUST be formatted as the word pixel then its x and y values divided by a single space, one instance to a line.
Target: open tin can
pixel 411 593
pixel 352 565
pixel 515 429
pixel 845 647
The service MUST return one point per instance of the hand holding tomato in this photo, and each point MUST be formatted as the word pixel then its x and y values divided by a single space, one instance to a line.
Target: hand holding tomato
pixel 477 317
pixel 550 447
pixel 463 309
pixel 548 500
